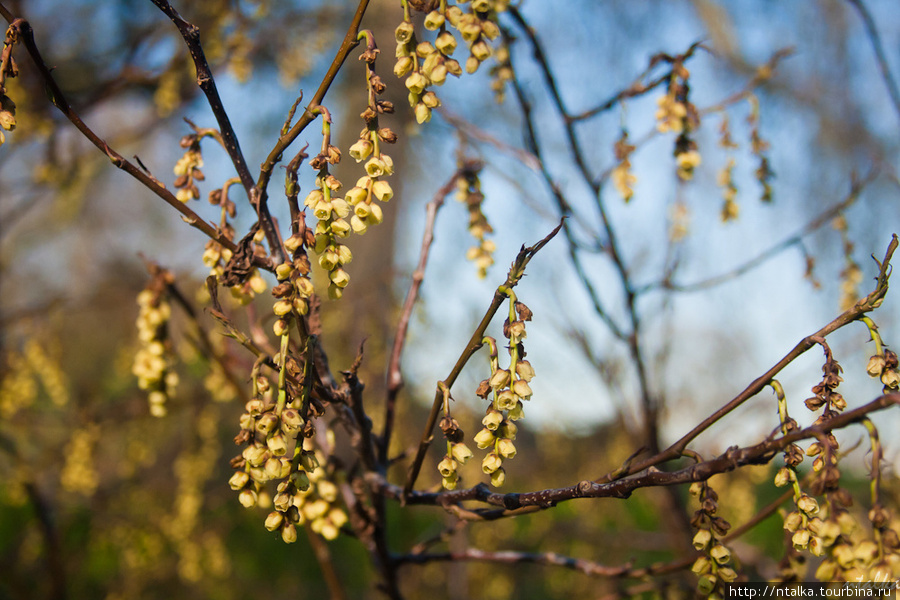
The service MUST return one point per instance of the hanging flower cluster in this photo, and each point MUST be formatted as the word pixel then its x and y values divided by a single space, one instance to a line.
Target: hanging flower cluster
pixel 331 212
pixel 759 146
pixel 424 64
pixel 507 389
pixel 277 432
pixel 713 568
pixel 187 169
pixel 622 176
pixel 154 359
pixel 677 114
pixel 457 451
pixel 468 191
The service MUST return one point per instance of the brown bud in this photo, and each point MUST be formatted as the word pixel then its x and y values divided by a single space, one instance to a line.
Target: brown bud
pixel 181 181
pixel 377 84
pixel 334 155
pixel 484 388
pixel 368 115
pixel 387 135
pixel 523 311
pixel 385 106
pixel 282 289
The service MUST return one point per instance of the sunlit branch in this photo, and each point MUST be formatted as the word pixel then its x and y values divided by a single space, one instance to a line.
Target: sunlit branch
pixel 516 271
pixel 867 304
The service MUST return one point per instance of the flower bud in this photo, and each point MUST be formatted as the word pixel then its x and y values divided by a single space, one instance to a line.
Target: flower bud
pixel 793 520
pixel 447 467
pixel 491 463
pixel 308 461
pixel 875 366
pixel 416 83
pixel 492 420
pixel 434 20
pixel 423 113
pixel 461 453
pixel 506 448
pixel 402 67
pixel 382 190
pixel 890 378
pixel 277 444
pixel 484 438
pixel 446 43
pixel 701 539
pixel 800 539
pixel 720 554
pixel 498 477
pixel 283 271
pixel 239 480
pixel 521 389
pixel 481 50
pixel 499 378
pixel 808 505
pixel 361 150
pixel 274 520
pixel 783 477
pixel 289 533
pixel 247 498
pixel 404 32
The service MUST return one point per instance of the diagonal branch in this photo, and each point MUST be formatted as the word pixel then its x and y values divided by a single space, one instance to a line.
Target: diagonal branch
pixel 516 272
pixel 26 36
pixel 191 35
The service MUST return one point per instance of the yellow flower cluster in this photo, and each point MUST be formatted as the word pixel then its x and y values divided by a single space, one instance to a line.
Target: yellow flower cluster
pixel 713 567
pixel 153 361
pixel 428 63
pixel 508 388
pixel 502 72
pixel 187 169
pixel 332 213
pixel 730 208
pixel 279 447
pixel 622 177
pixel 678 115
pixel 79 475
pixel 457 452
pixel 468 190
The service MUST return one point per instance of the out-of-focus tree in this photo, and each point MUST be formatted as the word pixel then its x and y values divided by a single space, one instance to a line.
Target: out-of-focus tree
pixel 650 170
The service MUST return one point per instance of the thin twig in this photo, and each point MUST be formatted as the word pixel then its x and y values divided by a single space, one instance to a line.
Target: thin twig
pixel 875 40
pixel 510 504
pixel 395 376
pixel 822 219
pixel 512 557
